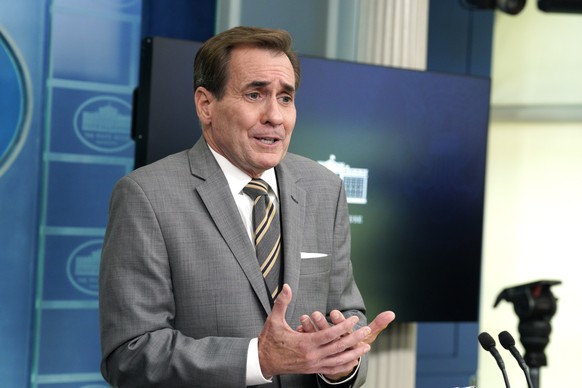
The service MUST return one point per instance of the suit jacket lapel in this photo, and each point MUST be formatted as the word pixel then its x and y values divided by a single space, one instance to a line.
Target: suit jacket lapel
pixel 292 200
pixel 217 198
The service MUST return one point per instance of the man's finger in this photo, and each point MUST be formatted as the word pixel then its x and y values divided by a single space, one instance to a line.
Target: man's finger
pixel 319 320
pixel 331 334
pixel 381 321
pixel 337 317
pixel 281 303
pixel 346 340
pixel 344 357
pixel 307 325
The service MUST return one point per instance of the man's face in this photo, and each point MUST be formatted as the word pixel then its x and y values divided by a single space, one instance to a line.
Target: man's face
pixel 252 124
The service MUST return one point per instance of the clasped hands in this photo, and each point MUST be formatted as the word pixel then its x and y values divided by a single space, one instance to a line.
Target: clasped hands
pixel 315 346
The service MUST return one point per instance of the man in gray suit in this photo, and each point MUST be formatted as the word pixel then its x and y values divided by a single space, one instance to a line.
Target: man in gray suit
pixel 183 298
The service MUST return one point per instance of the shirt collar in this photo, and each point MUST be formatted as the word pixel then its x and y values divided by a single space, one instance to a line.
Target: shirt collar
pixel 237 179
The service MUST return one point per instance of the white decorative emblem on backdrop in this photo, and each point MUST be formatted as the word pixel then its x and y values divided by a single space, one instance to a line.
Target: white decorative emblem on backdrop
pixel 103 123
pixel 83 267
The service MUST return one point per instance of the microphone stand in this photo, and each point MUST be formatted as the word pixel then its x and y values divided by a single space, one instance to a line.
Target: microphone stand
pixel 508 343
pixel 488 343
pixel 534 374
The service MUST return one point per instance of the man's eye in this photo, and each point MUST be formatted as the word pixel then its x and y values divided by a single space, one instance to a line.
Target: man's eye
pixel 254 95
pixel 286 99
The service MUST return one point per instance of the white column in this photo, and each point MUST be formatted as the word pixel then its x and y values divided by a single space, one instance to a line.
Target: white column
pixel 228 14
pixel 393 33
pixel 393 358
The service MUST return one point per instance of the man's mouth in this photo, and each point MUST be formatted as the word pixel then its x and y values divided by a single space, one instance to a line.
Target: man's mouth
pixel 267 140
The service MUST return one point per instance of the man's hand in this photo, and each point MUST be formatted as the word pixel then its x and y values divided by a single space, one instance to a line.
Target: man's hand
pixel 317 322
pixel 283 350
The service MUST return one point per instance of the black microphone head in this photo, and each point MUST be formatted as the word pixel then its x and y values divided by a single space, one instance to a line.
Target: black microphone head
pixel 506 340
pixel 486 341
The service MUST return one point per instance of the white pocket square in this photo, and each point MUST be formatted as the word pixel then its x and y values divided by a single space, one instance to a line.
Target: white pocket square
pixel 311 255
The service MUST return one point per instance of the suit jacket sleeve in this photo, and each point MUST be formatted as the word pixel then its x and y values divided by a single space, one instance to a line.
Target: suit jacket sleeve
pixel 140 345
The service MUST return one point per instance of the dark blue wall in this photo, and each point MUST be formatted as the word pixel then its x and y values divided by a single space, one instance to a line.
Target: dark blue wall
pixel 179 19
pixel 459 39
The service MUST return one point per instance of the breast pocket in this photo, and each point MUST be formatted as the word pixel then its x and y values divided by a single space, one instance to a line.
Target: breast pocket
pixel 314 263
pixel 314 284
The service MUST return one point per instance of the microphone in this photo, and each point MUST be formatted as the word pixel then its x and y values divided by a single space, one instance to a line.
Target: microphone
pixel 507 341
pixel 488 343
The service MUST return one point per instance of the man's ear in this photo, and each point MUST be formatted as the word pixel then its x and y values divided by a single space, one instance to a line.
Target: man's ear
pixel 203 99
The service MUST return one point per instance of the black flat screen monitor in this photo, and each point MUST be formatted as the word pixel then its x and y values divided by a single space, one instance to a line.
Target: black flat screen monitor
pixel 410 147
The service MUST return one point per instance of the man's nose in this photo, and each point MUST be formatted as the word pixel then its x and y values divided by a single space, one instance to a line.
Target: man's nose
pixel 272 113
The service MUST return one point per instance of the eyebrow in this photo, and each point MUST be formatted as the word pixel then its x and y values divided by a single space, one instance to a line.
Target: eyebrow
pixel 261 84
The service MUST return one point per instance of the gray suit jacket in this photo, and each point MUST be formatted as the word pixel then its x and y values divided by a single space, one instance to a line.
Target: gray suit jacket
pixel 181 293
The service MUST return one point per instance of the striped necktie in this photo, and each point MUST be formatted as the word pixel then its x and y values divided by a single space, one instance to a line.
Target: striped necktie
pixel 267 234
